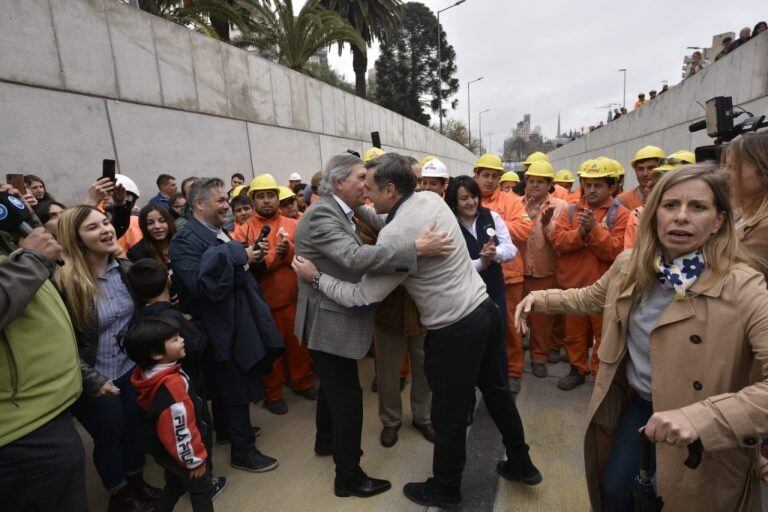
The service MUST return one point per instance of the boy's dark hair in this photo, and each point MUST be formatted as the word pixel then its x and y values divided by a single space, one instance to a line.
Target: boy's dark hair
pixel 239 201
pixel 147 278
pixel 237 175
pixel 163 180
pixel 299 188
pixel 147 337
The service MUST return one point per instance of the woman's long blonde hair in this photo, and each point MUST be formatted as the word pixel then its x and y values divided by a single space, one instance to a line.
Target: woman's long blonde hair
pixel 75 279
pixel 721 251
pixel 751 148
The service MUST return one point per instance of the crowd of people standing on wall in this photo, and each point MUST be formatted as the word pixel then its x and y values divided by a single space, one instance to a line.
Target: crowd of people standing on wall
pixel 158 327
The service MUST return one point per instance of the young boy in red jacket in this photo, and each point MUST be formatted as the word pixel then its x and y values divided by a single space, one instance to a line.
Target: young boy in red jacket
pixel 175 434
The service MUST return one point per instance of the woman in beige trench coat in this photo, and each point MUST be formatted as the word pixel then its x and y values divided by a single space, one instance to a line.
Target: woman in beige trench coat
pixel 684 319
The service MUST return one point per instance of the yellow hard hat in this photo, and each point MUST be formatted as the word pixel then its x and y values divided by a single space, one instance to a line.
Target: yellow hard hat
pixel 540 168
pixel 239 190
pixel 263 182
pixel 509 176
pixel 608 164
pixel 564 176
pixel 648 152
pixel 584 165
pixel 600 168
pixel 536 156
pixel 372 153
pixel 676 159
pixel 619 168
pixel 425 160
pixel 285 193
pixel 489 161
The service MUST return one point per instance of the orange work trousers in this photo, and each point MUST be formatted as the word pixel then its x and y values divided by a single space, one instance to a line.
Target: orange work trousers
pixel 558 332
pixel 579 332
pixel 513 294
pixel 541 324
pixel 296 358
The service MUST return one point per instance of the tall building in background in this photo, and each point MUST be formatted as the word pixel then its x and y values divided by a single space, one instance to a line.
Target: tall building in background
pixel 523 129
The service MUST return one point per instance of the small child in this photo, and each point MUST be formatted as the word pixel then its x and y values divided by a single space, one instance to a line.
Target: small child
pixel 151 284
pixel 174 431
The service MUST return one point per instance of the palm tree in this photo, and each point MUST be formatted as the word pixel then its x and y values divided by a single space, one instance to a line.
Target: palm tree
pixel 206 16
pixel 296 38
pixel 373 19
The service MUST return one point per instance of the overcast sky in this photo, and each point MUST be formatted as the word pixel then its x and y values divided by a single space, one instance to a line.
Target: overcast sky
pixel 551 56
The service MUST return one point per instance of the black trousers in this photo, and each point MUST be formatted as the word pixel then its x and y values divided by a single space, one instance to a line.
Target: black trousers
pixel 44 470
pixel 457 359
pixel 339 416
pixel 178 483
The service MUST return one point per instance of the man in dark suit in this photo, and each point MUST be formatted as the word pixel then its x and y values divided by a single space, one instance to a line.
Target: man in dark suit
pixel 217 289
pixel 337 336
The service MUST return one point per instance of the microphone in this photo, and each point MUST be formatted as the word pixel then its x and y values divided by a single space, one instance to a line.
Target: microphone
pixel 264 232
pixel 14 217
pixel 697 126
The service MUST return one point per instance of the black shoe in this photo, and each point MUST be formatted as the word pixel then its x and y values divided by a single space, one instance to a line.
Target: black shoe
pixel 539 370
pixel 523 471
pixel 217 486
pixel 310 393
pixel 417 493
pixel 278 407
pixel 571 381
pixel 141 489
pixel 553 357
pixel 256 463
pixel 365 488
pixel 514 385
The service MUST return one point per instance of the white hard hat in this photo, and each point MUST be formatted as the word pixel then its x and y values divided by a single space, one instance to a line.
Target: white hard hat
pixel 128 184
pixel 434 169
pixel 294 176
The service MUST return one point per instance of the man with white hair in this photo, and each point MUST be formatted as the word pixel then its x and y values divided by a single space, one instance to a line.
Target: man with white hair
pixel 337 336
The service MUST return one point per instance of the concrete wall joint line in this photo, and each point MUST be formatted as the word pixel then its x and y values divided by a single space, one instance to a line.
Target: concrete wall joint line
pixel 112 53
pixel 62 75
pixel 111 133
pixel 194 74
pixel 152 22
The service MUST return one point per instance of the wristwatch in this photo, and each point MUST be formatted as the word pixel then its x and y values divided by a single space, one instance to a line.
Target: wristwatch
pixel 316 280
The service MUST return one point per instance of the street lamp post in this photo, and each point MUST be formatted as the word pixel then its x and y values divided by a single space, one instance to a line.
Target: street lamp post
pixel 440 65
pixel 624 102
pixel 480 118
pixel 469 111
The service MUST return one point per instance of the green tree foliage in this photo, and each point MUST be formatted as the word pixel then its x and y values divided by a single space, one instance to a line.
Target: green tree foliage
pixel 407 69
pixel 374 20
pixel 211 17
pixel 296 38
pixel 327 74
pixel 456 130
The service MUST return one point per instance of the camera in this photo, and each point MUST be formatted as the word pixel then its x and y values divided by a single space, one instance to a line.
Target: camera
pixel 719 123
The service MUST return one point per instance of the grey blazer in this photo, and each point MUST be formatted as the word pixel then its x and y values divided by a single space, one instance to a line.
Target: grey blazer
pixel 325 237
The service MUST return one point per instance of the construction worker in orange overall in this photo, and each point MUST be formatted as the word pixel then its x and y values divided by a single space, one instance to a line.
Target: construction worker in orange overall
pixel 288 206
pixel 539 256
pixel 564 178
pixel 278 282
pixel 676 159
pixel 488 171
pixel 588 236
pixel 644 161
pixel 508 181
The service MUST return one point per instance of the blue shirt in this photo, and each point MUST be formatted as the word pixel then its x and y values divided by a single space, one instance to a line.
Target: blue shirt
pixel 115 309
pixel 161 200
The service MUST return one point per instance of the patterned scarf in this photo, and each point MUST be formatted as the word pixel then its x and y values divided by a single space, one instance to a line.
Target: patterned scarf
pixel 681 273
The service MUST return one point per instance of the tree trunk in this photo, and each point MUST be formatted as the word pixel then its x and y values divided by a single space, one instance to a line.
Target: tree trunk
pixel 360 66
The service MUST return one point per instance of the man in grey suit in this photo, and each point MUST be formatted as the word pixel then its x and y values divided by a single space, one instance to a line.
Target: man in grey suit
pixel 464 329
pixel 337 336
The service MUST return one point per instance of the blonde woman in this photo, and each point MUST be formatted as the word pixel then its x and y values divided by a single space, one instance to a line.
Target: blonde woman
pixel 746 162
pixel 684 319
pixel 92 282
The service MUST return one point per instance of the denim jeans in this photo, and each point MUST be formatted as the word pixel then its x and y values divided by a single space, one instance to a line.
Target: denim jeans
pixel 624 461
pixel 114 423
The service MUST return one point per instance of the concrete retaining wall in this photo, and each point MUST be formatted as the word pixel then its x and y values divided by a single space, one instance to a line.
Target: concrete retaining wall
pixel 83 80
pixel 663 122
